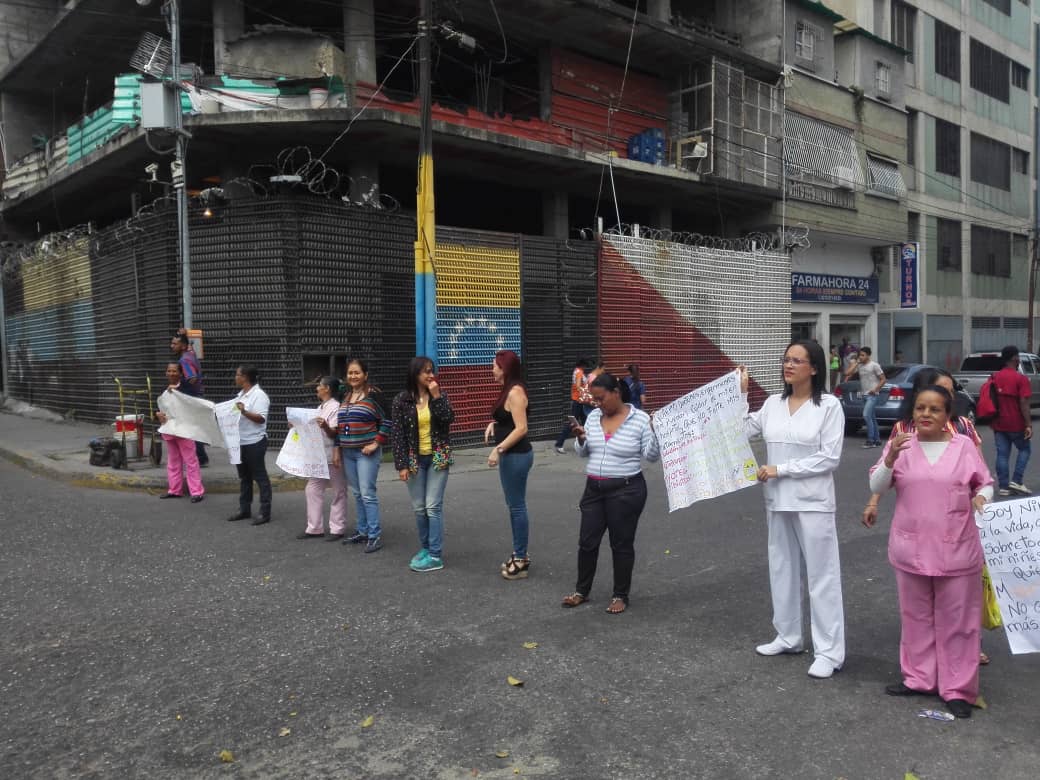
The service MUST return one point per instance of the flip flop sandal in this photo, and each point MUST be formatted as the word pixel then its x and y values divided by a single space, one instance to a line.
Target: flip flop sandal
pixel 613 603
pixel 573 600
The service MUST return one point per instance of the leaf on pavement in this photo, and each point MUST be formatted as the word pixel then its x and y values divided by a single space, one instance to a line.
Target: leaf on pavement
pixel 292 714
pixel 502 754
pixel 367 722
pixel 910 776
pixel 227 756
pixel 667 552
pixel 514 682
pixel 981 703
pixel 530 645
pixel 285 732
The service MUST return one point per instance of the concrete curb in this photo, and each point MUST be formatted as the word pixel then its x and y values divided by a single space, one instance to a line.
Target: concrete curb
pixel 112 479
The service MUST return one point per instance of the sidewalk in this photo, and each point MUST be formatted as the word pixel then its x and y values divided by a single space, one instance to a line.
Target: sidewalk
pixel 45 444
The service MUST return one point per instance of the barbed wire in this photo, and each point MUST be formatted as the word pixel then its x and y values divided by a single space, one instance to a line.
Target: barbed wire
pixel 15 254
pixel 796 237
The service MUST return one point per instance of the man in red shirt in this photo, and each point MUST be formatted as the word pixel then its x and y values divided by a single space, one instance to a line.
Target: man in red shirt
pixel 1014 423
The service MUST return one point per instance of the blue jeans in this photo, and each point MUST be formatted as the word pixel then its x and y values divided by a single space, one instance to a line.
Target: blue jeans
pixel 513 469
pixel 426 488
pixel 1004 440
pixel 869 402
pixel 361 472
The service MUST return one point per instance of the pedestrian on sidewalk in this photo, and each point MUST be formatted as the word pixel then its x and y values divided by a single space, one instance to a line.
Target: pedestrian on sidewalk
pixel 253 406
pixel 803 429
pixel 362 428
pixel 182 463
pixel 1014 423
pixel 330 392
pixel 937 556
pixel 578 381
pixel 616 438
pixel 422 416
pixel 192 385
pixel 835 366
pixel 512 454
pixel 636 386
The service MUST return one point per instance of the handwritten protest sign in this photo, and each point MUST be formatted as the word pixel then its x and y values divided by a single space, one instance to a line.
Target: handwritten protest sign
pixel 303 453
pixel 704 448
pixel 188 417
pixel 227 418
pixel 1010 534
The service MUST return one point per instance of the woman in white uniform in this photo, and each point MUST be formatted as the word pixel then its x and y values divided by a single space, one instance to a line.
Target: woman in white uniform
pixel 803 429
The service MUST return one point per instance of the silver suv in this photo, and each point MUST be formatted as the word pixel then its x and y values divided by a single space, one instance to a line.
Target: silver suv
pixel 978 366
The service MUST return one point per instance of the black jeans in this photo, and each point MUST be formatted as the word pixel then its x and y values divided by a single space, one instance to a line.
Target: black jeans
pixel 578 411
pixel 610 505
pixel 253 467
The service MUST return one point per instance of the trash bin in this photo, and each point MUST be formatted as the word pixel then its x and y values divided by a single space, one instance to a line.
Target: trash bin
pixel 133 426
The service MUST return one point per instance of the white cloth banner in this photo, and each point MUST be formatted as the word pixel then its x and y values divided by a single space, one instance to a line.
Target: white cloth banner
pixel 227 418
pixel 1010 534
pixel 704 448
pixel 303 453
pixel 188 417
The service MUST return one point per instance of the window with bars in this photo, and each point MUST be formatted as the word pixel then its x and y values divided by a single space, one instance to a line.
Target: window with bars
pixel 949 242
pixel 1020 161
pixel 1019 75
pixel 904 20
pixel 990 251
pixel 882 79
pixel 990 162
pixel 818 151
pixel 947 148
pixel 884 178
pixel 947 51
pixel 805 37
pixel 990 72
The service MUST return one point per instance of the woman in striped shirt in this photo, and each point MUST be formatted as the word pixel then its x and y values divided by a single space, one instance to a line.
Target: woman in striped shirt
pixel 616 438
pixel 361 429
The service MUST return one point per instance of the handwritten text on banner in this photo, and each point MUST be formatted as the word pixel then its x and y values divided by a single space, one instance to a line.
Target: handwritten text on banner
pixel 303 453
pixel 1010 534
pixel 704 448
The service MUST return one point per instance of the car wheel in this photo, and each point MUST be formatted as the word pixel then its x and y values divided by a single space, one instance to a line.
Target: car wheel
pixel 851 427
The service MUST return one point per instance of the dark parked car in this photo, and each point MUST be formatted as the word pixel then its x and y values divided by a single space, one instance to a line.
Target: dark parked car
pixel 898 382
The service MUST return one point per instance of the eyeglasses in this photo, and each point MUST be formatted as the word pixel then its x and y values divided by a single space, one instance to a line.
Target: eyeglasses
pixel 790 361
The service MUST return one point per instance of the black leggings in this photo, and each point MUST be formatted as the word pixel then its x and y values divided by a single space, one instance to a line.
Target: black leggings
pixel 610 505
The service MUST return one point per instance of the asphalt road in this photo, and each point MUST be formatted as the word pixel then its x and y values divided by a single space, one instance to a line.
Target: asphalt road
pixel 140 638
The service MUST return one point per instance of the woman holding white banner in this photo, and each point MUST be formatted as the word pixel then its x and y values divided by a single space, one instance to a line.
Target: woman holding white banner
pixel 935 550
pixel 616 438
pixel 182 462
pixel 330 393
pixel 803 430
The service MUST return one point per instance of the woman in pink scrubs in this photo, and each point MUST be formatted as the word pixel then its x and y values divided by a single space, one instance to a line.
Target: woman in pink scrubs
pixel 940 482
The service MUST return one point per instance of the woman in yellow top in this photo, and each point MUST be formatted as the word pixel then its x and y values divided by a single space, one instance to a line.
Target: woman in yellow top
pixel 421 443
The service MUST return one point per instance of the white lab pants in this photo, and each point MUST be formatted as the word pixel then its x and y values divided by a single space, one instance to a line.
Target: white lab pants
pixel 812 537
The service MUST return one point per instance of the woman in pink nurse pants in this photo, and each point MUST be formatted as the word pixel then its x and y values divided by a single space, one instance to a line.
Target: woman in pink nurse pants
pixel 934 546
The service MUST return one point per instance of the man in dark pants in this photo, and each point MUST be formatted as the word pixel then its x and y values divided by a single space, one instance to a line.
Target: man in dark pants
pixel 191 370
pixel 253 405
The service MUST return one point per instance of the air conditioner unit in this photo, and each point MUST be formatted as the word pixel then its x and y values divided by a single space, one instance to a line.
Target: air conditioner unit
pixel 844 177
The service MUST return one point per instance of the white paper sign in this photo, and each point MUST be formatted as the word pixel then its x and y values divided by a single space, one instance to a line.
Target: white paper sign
pixel 227 418
pixel 188 417
pixel 704 448
pixel 303 453
pixel 1010 534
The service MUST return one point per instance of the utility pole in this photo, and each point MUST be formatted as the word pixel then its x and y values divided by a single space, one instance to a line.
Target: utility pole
pixel 426 240
pixel 1034 261
pixel 180 183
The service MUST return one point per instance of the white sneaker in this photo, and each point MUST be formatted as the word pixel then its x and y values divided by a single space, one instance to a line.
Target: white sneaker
pixel 1018 487
pixel 821 669
pixel 1003 492
pixel 777 647
pixel 560 450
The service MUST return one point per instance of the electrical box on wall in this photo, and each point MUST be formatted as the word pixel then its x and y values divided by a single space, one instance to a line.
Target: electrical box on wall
pixel 158 106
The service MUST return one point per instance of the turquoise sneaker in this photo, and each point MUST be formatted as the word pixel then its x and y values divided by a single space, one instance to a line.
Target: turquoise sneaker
pixel 429 564
pixel 418 559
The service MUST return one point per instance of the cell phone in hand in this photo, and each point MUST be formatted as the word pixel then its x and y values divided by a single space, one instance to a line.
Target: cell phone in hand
pixel 573 420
